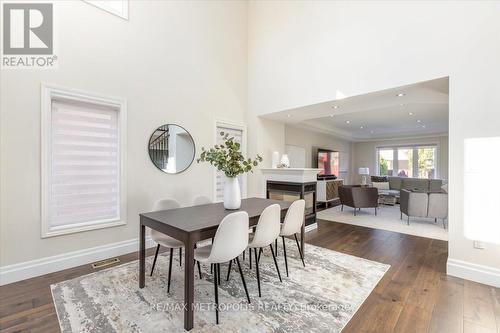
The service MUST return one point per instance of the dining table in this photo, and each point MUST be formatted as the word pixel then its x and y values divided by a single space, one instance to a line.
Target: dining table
pixel 191 225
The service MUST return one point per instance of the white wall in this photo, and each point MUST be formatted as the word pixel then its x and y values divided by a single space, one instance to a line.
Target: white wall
pixel 365 154
pixel 174 61
pixel 308 139
pixel 301 53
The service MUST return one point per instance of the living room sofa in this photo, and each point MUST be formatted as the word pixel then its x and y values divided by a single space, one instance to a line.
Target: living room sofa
pixel 396 184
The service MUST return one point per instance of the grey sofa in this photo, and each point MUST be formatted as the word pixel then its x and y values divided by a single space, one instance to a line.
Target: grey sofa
pixel 396 184
pixel 424 204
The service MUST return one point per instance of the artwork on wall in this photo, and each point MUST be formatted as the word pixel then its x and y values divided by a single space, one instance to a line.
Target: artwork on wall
pixel 296 155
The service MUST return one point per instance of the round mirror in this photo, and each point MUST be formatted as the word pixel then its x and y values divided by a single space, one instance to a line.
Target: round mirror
pixel 171 148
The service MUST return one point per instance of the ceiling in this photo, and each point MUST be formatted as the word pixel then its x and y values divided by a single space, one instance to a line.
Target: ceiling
pixel 421 110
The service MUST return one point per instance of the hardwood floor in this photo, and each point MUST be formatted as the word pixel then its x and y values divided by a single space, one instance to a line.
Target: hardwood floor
pixel 415 295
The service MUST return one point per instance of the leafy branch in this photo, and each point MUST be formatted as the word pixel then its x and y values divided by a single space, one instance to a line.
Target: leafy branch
pixel 227 157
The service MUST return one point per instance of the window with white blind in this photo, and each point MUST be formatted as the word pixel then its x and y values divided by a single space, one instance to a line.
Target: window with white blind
pixel 82 162
pixel 238 132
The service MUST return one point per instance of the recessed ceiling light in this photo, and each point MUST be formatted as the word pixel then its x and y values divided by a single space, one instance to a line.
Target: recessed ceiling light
pixel 402 104
pixel 419 121
pixel 331 115
pixel 335 106
pixel 423 126
pixel 361 127
pixel 400 94
pixel 288 115
pixel 347 121
pixel 410 113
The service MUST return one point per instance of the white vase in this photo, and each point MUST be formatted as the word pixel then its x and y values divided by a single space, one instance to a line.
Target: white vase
pixel 232 194
pixel 285 161
pixel 275 160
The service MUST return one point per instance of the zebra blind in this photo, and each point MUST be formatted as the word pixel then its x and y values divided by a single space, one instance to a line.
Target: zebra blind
pixel 238 137
pixel 84 166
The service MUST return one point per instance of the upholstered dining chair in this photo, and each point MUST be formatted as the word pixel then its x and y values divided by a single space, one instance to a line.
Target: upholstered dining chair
pixel 230 240
pixel 201 200
pixel 163 240
pixel 292 226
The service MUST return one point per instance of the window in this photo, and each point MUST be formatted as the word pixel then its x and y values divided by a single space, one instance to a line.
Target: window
pixel 82 162
pixel 408 161
pixel 238 132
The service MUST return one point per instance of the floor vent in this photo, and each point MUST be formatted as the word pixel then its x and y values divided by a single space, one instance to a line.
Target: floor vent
pixel 104 263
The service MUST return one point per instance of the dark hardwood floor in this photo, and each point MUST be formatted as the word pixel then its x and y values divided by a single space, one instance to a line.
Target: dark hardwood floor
pixel 415 295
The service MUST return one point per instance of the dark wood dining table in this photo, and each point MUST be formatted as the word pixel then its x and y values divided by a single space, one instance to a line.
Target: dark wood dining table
pixel 193 224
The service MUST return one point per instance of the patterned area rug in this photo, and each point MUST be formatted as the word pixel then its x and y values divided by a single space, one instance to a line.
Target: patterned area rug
pixel 322 297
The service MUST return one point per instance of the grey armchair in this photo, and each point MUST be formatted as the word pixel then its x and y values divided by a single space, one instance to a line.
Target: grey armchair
pixel 423 204
pixel 358 197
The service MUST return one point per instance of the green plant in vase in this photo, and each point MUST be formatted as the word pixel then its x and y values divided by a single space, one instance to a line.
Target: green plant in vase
pixel 227 157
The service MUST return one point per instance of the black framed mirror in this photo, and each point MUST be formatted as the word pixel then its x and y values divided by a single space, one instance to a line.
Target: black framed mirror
pixel 171 148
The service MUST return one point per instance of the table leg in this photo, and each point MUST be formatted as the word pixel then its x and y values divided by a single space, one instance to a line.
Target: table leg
pixel 189 285
pixel 302 238
pixel 142 256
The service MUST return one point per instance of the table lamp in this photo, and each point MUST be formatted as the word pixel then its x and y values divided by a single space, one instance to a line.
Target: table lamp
pixel 364 171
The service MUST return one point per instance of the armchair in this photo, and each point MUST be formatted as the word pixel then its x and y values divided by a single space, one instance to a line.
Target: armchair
pixel 358 197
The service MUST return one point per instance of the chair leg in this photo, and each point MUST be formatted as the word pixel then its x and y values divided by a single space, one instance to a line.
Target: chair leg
pixel 342 208
pixel 216 295
pixel 408 221
pixel 375 211
pixel 401 217
pixel 284 253
pixel 229 270
pixel 244 254
pixel 199 269
pixel 243 279
pixel 276 247
pixel 180 256
pixel 275 262
pixel 257 270
pixel 170 269
pixel 355 209
pixel 250 256
pixel 154 261
pixel 300 250
pixel 218 273
pixel 260 252
pixel 435 220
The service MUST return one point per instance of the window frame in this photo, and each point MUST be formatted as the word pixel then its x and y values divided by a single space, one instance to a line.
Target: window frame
pixel 415 147
pixel 50 92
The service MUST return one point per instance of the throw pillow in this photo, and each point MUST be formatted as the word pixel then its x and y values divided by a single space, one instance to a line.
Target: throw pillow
pixel 381 185
pixel 445 188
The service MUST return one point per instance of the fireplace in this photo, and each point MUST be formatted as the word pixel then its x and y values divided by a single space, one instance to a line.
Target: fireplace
pixel 291 191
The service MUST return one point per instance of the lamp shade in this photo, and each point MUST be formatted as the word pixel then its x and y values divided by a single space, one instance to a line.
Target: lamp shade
pixel 364 171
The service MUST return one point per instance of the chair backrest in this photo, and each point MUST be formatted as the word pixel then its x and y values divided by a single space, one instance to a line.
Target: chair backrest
pixel 294 218
pixel 165 204
pixel 201 200
pixel 268 227
pixel 231 238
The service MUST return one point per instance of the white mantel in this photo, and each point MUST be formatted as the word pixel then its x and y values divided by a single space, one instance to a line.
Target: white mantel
pixel 296 175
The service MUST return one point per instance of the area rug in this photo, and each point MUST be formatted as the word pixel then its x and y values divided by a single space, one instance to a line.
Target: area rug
pixel 388 218
pixel 321 297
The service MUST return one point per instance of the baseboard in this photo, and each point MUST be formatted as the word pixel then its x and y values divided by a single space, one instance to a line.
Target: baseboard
pixel 477 273
pixel 311 227
pixel 33 268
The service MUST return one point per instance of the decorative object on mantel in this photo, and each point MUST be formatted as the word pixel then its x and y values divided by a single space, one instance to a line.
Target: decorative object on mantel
pixel 275 160
pixel 363 171
pixel 285 161
pixel 227 158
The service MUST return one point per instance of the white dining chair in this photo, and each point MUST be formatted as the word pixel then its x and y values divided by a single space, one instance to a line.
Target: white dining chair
pixel 163 240
pixel 201 200
pixel 292 225
pixel 266 232
pixel 230 240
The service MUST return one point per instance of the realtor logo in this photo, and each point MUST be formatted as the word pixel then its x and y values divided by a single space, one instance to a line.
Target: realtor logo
pixel 28 35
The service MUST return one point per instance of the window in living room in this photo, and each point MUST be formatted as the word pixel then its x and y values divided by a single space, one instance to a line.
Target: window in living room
pixel 408 161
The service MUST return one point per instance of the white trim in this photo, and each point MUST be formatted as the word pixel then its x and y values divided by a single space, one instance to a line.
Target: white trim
pixel 235 126
pixel 474 272
pixel 48 93
pixel 37 267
